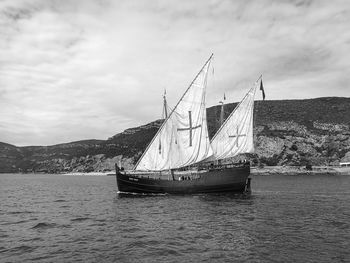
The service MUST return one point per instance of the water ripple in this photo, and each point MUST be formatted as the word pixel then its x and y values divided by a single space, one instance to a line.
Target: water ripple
pixel 60 201
pixel 21 249
pixel 43 225
pixel 79 219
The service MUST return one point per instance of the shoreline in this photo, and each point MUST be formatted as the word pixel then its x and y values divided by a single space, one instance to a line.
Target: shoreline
pixel 90 173
pixel 298 170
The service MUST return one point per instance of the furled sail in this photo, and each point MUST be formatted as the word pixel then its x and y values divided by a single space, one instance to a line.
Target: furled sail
pixel 183 138
pixel 235 136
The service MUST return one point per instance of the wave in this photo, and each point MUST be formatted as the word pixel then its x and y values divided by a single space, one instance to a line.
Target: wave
pixel 22 249
pixel 16 222
pixel 44 225
pixel 79 219
pixel 60 201
pixel 131 194
pixel 19 212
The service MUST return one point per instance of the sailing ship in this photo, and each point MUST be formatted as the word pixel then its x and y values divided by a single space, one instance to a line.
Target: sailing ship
pixel 180 159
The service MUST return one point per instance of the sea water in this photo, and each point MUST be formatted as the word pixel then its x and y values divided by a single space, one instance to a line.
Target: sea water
pixel 57 218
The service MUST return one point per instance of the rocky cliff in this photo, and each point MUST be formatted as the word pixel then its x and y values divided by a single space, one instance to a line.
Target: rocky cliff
pixel 288 132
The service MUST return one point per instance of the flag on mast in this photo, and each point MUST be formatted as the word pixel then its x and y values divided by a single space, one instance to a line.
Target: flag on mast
pixel 262 89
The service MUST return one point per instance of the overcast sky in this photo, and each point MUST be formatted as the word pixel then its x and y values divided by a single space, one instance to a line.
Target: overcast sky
pixel 73 70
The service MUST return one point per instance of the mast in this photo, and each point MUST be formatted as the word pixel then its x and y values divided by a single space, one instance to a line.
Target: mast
pixel 222 113
pixel 165 106
pixel 255 118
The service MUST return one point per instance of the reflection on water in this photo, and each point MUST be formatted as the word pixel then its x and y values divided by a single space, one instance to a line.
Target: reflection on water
pixel 62 218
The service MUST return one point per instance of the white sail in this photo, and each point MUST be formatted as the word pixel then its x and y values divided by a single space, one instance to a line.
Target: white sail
pixel 183 138
pixel 235 136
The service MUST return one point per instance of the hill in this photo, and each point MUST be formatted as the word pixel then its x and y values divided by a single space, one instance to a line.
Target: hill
pixel 288 132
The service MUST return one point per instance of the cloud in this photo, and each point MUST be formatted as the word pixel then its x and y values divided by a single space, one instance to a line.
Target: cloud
pixel 72 70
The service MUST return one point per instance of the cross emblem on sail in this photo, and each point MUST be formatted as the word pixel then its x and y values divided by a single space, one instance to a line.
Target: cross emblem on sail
pixel 189 114
pixel 237 135
pixel 189 128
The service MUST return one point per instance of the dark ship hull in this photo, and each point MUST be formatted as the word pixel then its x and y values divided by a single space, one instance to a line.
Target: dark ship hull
pixel 217 179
